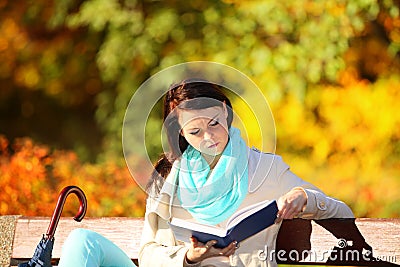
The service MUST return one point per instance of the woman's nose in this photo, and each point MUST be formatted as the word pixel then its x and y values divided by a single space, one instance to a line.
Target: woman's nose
pixel 208 135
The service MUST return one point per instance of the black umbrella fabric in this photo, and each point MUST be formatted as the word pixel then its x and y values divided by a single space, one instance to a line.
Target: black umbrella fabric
pixel 42 255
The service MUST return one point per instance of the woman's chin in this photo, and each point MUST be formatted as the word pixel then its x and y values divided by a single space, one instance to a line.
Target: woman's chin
pixel 211 153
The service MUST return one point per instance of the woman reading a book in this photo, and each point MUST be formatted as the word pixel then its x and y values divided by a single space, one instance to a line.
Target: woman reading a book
pixel 208 174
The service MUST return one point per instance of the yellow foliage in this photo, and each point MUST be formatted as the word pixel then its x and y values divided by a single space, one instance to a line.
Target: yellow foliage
pixel 346 141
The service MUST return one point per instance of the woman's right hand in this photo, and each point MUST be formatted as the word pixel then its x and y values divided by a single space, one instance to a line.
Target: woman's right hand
pixel 199 251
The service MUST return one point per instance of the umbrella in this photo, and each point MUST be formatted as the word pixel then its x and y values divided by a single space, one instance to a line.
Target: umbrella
pixel 42 255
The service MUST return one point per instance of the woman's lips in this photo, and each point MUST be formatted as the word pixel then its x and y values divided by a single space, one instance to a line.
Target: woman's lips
pixel 214 145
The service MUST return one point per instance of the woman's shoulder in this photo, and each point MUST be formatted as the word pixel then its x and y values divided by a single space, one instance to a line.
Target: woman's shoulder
pixel 265 159
pixel 264 168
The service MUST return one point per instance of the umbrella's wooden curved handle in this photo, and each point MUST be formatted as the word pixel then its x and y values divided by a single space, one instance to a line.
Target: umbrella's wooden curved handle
pixel 60 204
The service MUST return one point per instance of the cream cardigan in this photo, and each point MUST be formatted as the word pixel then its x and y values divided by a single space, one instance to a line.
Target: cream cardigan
pixel 269 178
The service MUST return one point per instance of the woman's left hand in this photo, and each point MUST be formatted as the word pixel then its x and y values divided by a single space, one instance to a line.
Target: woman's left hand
pixel 291 204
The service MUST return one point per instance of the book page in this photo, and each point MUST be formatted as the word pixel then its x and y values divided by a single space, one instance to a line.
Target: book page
pixel 199 227
pixel 235 219
pixel 241 214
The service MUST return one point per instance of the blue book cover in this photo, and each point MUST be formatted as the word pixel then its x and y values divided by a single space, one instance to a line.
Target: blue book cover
pixel 241 225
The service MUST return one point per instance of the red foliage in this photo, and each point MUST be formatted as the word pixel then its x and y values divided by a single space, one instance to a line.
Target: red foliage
pixel 32 176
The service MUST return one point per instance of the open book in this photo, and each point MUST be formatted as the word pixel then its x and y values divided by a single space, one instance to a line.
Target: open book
pixel 241 225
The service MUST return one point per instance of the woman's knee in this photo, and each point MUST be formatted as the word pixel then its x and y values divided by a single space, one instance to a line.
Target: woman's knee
pixel 81 236
pixel 81 249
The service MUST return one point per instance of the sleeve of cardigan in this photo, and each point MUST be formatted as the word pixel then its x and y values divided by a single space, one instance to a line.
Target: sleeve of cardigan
pixel 158 246
pixel 319 205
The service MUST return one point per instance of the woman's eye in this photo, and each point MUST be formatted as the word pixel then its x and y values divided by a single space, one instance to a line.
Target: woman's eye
pixel 194 132
pixel 214 123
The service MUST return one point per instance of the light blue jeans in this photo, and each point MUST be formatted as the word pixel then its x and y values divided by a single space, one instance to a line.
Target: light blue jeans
pixel 85 248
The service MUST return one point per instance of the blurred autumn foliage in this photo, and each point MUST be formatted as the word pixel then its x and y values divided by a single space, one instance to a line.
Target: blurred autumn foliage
pixel 330 70
pixel 346 140
pixel 32 175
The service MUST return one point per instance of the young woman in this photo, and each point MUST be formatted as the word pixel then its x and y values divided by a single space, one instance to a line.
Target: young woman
pixel 206 176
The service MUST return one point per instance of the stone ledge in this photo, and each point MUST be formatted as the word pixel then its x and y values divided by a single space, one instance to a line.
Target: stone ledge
pixel 7 231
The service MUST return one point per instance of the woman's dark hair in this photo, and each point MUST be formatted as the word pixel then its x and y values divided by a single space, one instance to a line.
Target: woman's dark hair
pixel 198 91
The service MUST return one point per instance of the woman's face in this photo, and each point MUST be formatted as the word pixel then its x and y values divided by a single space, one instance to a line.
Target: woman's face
pixel 205 129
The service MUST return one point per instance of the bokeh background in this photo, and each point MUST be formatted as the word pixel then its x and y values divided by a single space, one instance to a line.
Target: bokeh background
pixel 330 70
